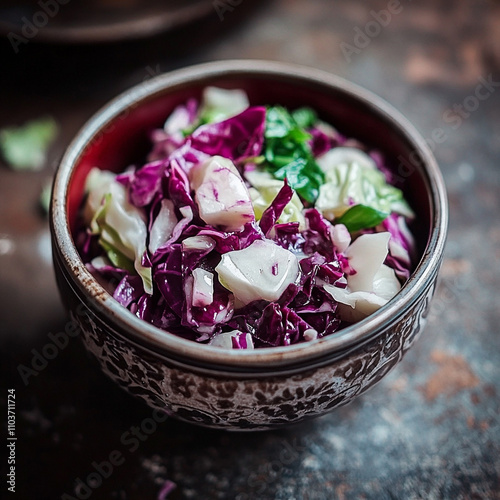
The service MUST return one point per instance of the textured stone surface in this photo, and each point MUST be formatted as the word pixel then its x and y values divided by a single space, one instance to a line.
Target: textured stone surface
pixel 430 429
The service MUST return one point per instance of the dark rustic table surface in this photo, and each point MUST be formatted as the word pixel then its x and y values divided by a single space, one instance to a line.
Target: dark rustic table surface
pixel 430 429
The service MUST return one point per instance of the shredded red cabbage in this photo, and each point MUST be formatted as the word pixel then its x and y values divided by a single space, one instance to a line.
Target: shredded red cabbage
pixel 305 310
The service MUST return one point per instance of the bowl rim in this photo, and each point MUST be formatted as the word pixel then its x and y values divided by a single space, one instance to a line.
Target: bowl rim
pixel 172 346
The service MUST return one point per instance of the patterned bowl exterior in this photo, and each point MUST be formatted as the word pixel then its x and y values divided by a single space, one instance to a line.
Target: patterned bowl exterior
pixel 211 387
pixel 238 401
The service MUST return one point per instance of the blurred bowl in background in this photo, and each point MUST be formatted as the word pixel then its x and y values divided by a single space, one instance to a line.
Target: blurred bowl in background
pixel 97 21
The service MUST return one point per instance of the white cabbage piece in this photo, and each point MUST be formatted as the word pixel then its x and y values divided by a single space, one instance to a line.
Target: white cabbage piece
pixel 310 334
pixel 263 191
pixel 366 254
pixel 341 237
pixel 385 283
pixel 351 178
pixel 100 262
pixel 203 287
pixel 97 185
pixel 355 306
pixel 221 194
pixel 373 284
pixel 162 227
pixel 345 156
pixel 200 242
pixel 121 225
pixel 178 121
pixel 220 104
pixel 263 270
pixel 225 341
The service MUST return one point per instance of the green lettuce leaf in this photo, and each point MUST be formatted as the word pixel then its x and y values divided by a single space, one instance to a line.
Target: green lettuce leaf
pixel 288 153
pixel 361 217
pixel 305 117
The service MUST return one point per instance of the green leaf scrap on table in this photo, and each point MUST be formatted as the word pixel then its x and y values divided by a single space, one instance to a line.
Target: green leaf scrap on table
pixel 25 147
pixel 287 151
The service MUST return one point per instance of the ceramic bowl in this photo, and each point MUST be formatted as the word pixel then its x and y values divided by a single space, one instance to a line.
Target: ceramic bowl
pixel 263 388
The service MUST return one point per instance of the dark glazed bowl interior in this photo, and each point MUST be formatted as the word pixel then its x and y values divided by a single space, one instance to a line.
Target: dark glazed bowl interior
pixel 117 137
